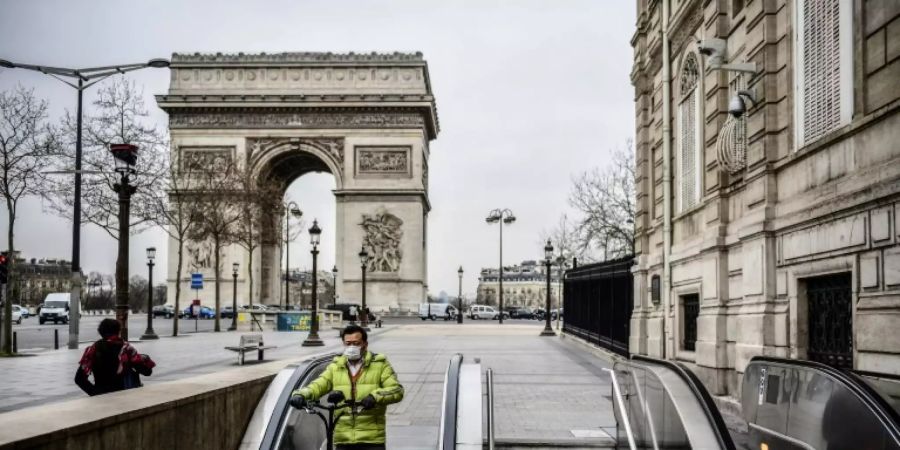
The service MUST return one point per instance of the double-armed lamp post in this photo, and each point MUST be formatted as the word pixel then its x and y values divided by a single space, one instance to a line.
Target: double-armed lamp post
pixel 82 79
pixel 503 217
pixel 291 209
pixel 313 339
pixel 548 261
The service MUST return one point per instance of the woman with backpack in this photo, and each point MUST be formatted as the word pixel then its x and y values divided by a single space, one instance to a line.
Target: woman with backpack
pixel 114 363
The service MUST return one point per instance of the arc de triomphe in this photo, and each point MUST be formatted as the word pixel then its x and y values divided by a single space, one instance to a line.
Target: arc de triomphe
pixel 365 118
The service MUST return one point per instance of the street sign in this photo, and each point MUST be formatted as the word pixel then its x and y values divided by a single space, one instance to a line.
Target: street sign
pixel 196 281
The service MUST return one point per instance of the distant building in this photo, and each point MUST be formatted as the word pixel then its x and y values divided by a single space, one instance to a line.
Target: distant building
pixel 301 288
pixel 33 279
pixel 523 285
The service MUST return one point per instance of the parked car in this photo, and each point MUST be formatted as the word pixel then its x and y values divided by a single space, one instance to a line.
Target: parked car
pixel 485 312
pixel 205 312
pixel 554 312
pixel 539 313
pixel 167 311
pixel 226 312
pixel 23 310
pixel 431 310
pixel 521 313
pixel 16 315
pixel 273 308
pixel 257 308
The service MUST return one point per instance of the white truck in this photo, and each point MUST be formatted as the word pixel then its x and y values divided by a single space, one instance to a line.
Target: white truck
pixel 55 308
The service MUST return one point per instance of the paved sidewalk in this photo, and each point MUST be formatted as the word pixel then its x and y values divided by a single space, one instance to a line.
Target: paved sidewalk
pixel 49 376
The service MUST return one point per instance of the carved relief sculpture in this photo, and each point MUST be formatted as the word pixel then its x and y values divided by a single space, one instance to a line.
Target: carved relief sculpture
pixel 378 160
pixel 194 159
pixel 199 256
pixel 382 240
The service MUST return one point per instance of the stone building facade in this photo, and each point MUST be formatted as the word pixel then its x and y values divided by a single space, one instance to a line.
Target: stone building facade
pixel 523 285
pixel 35 278
pixel 776 232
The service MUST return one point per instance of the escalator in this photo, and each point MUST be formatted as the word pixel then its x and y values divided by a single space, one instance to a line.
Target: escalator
pixel 792 404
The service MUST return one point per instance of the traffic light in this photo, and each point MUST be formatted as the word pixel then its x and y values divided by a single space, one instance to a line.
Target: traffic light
pixel 4 268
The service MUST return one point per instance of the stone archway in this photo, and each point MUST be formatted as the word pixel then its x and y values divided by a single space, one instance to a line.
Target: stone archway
pixel 366 119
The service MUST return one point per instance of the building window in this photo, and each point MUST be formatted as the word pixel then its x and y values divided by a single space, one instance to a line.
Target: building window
pixel 824 69
pixel 689 130
pixel 690 305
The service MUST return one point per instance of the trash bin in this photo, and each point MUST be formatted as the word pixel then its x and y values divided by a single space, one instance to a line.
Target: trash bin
pixel 293 321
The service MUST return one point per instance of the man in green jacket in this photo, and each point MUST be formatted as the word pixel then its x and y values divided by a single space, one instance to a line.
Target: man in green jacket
pixel 359 376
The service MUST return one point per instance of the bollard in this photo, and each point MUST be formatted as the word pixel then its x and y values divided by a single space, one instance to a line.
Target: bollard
pixel 15 342
pixel 56 339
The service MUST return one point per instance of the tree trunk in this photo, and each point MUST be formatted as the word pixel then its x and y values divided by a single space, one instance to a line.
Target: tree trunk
pixel 178 286
pixel 7 301
pixel 218 248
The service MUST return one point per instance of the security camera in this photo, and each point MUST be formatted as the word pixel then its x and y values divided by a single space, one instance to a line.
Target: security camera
pixel 737 107
pixel 714 50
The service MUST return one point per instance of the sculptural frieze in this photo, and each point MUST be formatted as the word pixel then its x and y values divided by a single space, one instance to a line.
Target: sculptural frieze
pixel 294 120
pixel 199 256
pixel 333 148
pixel 382 238
pixel 393 160
pixel 205 158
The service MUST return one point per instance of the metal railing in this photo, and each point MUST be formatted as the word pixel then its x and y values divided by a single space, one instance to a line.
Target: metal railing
pixel 617 395
pixel 489 380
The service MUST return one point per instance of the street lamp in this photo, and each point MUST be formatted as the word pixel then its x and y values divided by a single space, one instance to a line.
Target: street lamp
pixel 292 210
pixel 459 312
pixel 548 261
pixel 234 310
pixel 501 216
pixel 125 157
pixel 334 273
pixel 364 261
pixel 313 339
pixel 562 264
pixel 84 78
pixel 150 334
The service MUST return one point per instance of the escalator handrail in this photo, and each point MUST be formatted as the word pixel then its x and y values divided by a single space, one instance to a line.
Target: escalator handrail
pixel 281 406
pixel 451 392
pixel 701 394
pixel 886 414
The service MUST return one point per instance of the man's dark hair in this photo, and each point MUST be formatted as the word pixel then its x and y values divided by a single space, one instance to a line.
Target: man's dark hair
pixel 350 329
pixel 109 327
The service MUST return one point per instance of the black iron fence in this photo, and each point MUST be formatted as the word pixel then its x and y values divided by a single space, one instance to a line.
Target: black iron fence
pixel 597 302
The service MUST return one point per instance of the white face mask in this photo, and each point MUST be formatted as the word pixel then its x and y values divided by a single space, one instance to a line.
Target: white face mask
pixel 352 352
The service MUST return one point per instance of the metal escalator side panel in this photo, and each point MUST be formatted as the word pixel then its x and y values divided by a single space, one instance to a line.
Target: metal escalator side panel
pixel 256 429
pixel 304 374
pixel 679 398
pixel 447 436
pixel 789 401
pixel 469 408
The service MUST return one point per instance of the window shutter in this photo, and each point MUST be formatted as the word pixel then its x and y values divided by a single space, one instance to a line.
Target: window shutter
pixel 821 65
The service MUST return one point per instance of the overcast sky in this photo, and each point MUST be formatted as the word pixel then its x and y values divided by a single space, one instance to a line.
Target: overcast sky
pixel 529 93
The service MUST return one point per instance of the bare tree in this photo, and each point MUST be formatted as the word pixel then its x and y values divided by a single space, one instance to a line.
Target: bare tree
pixel 257 201
pixel 606 200
pixel 177 215
pixel 119 117
pixel 138 290
pixel 24 154
pixel 566 240
pixel 215 198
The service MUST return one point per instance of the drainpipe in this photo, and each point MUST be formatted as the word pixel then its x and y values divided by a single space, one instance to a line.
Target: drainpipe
pixel 667 173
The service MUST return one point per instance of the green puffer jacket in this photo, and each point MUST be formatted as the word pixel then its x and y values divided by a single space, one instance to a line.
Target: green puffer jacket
pixel 378 378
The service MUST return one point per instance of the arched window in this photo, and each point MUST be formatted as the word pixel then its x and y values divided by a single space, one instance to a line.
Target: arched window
pixel 690 132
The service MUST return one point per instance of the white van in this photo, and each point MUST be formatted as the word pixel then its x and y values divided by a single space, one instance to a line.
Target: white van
pixel 484 312
pixel 55 308
pixel 431 310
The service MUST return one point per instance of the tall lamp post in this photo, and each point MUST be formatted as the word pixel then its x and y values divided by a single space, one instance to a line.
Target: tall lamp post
pixel 364 261
pixel 334 273
pixel 125 156
pixel 548 261
pixel 234 310
pixel 84 78
pixel 291 210
pixel 313 339
pixel 501 216
pixel 459 312
pixel 562 264
pixel 150 334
